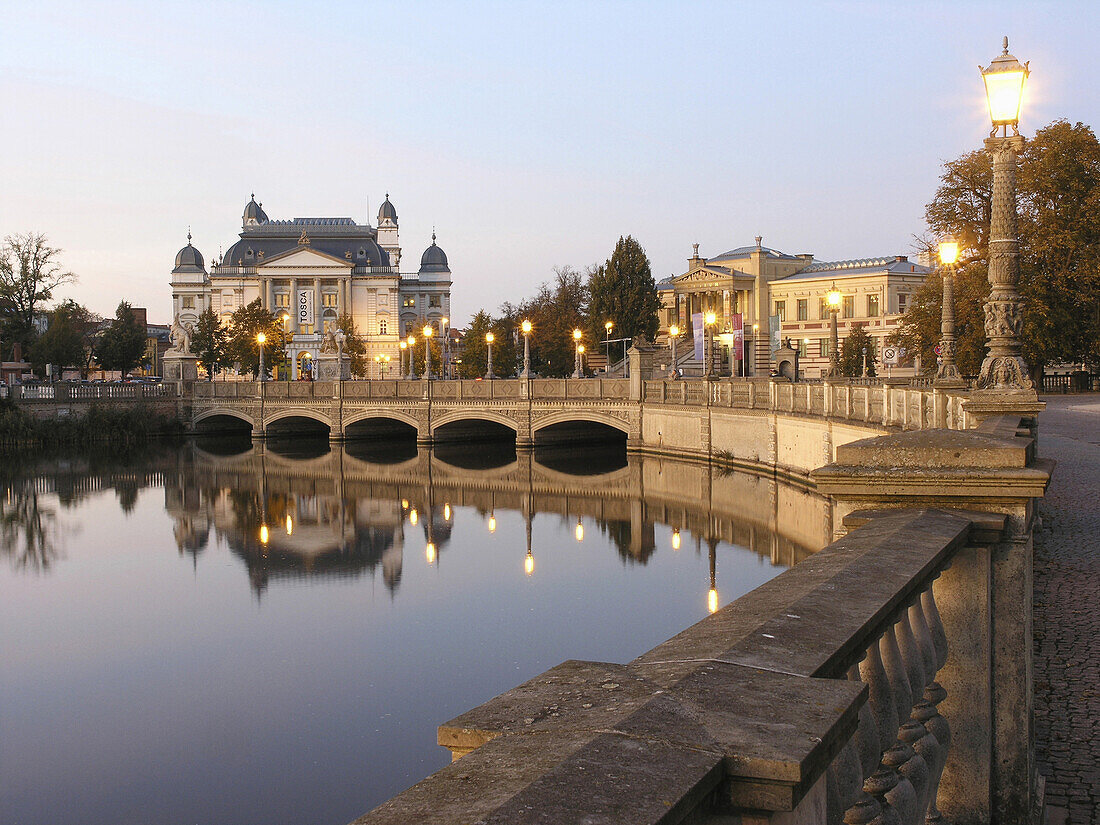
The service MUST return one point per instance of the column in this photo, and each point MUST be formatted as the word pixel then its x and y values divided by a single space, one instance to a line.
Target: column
pixel 294 310
pixel 318 325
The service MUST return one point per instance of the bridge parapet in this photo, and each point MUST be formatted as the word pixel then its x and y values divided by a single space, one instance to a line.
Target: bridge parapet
pixel 883 679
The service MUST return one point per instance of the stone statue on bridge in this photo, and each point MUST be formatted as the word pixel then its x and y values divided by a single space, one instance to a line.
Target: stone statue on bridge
pixel 328 342
pixel 180 336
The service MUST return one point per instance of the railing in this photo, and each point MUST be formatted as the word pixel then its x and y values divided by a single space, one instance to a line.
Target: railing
pixel 1074 382
pixel 817 690
pixel 496 389
pixel 63 393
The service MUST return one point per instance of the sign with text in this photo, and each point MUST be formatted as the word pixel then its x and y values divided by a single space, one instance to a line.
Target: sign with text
pixel 775 332
pixel 305 304
pixel 697 334
pixel 737 324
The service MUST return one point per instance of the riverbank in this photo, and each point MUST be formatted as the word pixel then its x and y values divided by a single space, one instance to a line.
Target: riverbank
pixel 109 425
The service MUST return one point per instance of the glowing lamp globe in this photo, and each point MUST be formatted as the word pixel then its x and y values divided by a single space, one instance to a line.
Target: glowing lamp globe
pixel 711 318
pixel 576 335
pixel 428 332
pixel 833 296
pixel 489 338
pixel 1004 88
pixel 674 331
pixel 261 339
pixel 526 327
pixel 949 252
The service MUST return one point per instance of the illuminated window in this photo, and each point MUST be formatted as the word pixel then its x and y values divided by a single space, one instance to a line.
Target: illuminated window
pixel 823 309
pixel 802 348
pixel 872 306
pixel 282 299
pixel 824 347
pixel 382 326
pixel 803 309
pixel 434 301
pixel 781 310
pixel 409 302
pixel 848 307
pixel 328 299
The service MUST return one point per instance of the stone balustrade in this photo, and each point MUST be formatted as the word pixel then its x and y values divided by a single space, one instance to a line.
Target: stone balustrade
pixel 65 392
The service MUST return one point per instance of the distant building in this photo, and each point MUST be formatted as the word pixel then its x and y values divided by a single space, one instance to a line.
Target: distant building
pixel 313 270
pixel 759 282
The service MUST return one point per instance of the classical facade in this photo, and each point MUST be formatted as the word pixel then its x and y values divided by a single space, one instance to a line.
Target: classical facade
pixel 312 270
pixel 757 282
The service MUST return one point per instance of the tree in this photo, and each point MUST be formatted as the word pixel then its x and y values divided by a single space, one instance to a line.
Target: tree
pixel 354 345
pixel 121 346
pixel 1058 194
pixel 209 341
pixel 242 348
pixel 851 353
pixel 29 274
pixel 556 310
pixel 623 291
pixel 63 342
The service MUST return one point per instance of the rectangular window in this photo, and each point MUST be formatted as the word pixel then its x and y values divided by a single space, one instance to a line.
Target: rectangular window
pixel 848 307
pixel 781 310
pixel 434 301
pixel 824 347
pixel 903 302
pixel 803 344
pixel 409 302
pixel 189 302
pixel 328 299
pixel 823 310
pixel 872 306
pixel 282 299
pixel 803 309
pixel 382 326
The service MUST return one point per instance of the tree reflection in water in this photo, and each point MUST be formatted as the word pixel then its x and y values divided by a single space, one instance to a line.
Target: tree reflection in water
pixel 28 527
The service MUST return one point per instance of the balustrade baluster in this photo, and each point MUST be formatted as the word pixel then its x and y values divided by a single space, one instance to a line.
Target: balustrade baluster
pixel 880 785
pixel 844 780
pixel 866 811
pixel 880 699
pixel 911 656
pixel 935 626
pixel 912 782
pixel 900 687
pixel 867 734
pixel 916 735
pixel 923 636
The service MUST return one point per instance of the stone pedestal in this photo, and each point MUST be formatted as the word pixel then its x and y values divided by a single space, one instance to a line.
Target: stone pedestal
pixel 181 366
pixel 331 367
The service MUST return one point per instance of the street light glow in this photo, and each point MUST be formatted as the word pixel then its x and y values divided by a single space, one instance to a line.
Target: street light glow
pixel 576 335
pixel 674 330
pixel 608 327
pixel 949 252
pixel 1004 88
pixel 711 318
pixel 712 600
pixel 261 339
pixel 428 331
pixel 489 338
pixel 833 296
pixel 526 327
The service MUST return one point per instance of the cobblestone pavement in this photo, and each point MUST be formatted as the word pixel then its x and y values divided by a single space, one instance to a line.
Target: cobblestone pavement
pixel 1067 612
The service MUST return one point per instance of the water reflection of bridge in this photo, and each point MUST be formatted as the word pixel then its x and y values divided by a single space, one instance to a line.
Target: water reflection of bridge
pixel 343 511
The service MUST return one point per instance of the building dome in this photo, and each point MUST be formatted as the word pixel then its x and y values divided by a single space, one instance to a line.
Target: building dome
pixel 189 259
pixel 253 212
pixel 387 212
pixel 434 259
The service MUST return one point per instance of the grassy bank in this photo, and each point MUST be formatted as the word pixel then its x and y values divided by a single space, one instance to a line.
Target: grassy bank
pixel 122 426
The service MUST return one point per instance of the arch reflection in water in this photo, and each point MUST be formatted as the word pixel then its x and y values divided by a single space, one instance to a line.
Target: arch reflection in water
pixel 311 511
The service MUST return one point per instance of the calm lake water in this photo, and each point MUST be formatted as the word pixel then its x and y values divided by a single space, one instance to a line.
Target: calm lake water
pixel 216 633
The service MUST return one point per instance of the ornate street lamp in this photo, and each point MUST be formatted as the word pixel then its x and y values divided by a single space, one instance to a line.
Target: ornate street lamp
pixel 673 334
pixel 577 354
pixel 445 367
pixel 832 298
pixel 489 338
pixel 607 342
pixel 1004 368
pixel 947 374
pixel 711 319
pixel 428 332
pixel 261 339
pixel 340 337
pixel 412 357
pixel 526 328
pixel 401 357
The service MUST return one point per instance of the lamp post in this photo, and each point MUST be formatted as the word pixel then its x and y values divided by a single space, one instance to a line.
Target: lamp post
pixel 607 342
pixel 580 352
pixel 710 319
pixel 284 317
pixel 577 353
pixel 385 362
pixel 673 334
pixel 489 338
pixel 832 298
pixel 412 357
pixel 445 368
pixel 526 328
pixel 865 362
pixel 340 338
pixel 401 358
pixel 1004 368
pixel 428 331
pixel 947 373
pixel 261 339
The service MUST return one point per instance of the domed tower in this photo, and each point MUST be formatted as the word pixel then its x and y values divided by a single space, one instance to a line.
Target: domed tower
pixel 254 213
pixel 190 284
pixel 435 282
pixel 387 231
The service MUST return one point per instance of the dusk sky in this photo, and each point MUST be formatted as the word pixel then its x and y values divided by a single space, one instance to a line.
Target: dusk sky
pixel 529 135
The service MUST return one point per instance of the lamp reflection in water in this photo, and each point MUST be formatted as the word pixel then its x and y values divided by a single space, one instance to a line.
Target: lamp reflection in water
pixel 675 539
pixel 579 532
pixel 289 525
pixel 492 523
pixel 429 552
pixel 712 594
pixel 446 512
pixel 414 517
pixel 265 534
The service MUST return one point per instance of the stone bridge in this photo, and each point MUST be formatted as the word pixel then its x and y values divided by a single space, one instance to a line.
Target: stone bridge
pixel 753 422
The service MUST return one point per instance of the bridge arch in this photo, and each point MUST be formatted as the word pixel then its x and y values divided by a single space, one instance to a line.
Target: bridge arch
pixel 364 416
pixel 572 426
pixel 474 425
pixel 208 419
pixel 296 412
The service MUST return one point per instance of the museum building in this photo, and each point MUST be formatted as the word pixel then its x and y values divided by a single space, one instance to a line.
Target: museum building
pixel 309 271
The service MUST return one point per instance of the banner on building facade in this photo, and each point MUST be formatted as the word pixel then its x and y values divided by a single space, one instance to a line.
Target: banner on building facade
pixel 775 331
pixel 737 324
pixel 304 301
pixel 697 334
